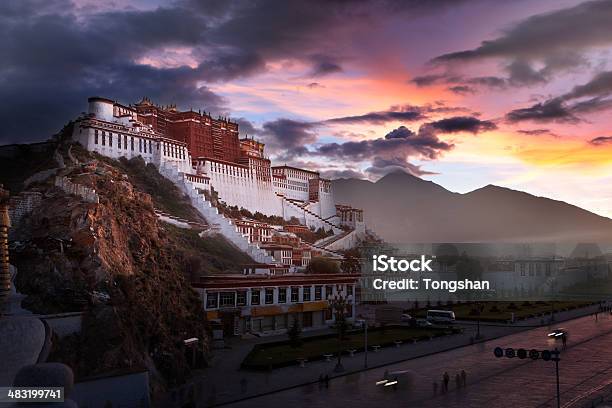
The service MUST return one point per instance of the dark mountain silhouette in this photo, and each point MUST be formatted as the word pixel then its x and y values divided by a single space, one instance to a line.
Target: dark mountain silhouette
pixel 404 208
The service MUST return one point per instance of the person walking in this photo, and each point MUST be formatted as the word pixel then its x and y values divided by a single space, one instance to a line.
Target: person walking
pixel 445 380
pixel 463 378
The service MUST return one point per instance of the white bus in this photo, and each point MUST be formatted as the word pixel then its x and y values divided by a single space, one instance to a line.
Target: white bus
pixel 440 316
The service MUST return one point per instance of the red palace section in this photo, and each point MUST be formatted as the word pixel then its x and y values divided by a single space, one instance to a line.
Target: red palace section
pixel 205 136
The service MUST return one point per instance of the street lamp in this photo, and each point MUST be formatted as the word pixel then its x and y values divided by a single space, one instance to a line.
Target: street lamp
pixel 365 341
pixel 338 303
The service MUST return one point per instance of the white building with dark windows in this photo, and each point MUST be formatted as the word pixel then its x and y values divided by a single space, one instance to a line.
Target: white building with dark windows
pixel 270 304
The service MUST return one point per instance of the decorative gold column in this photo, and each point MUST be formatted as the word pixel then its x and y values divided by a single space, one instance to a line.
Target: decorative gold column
pixel 5 223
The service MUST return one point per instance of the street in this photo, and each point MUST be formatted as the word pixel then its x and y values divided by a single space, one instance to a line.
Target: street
pixel 586 365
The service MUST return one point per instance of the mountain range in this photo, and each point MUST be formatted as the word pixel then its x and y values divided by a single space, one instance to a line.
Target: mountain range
pixel 400 207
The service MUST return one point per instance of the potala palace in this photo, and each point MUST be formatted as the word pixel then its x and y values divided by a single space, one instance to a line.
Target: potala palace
pixel 206 158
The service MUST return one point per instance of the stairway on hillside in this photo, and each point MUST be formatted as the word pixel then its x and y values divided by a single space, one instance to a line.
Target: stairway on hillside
pixel 336 229
pixel 213 216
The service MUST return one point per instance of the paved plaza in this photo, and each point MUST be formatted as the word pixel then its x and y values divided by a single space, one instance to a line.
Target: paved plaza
pixel 585 372
pixel 224 382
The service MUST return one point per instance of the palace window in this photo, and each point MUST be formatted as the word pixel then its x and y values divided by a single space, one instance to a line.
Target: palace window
pixel 306 294
pixel 96 136
pixel 241 299
pixel 118 141
pixel 132 143
pixel 328 291
pixel 318 290
pixel 110 139
pixel 103 139
pixel 150 147
pixel 282 295
pixel 255 297
pixel 212 300
pixel 295 294
pixel 227 299
pixel 140 145
pixel 349 290
pixel 269 296
pixel 125 142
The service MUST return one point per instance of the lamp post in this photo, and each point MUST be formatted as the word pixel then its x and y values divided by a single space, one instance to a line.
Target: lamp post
pixel 338 303
pixel 365 341
pixel 5 223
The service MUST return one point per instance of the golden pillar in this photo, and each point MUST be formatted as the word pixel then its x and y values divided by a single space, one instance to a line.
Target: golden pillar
pixel 5 223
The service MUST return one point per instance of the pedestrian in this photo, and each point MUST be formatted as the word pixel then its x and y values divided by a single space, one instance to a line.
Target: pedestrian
pixel 463 377
pixel 435 388
pixel 445 379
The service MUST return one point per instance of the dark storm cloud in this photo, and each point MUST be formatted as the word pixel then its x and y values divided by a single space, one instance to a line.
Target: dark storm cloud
pixel 601 140
pixel 55 54
pixel 463 124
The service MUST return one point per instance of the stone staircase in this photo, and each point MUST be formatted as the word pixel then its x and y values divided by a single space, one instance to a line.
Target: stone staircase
pixel 300 205
pixel 212 215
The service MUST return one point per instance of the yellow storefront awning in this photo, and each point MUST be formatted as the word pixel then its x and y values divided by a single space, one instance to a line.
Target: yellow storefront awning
pixel 314 306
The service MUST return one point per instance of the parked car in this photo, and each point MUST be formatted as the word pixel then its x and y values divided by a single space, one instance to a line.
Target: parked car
pixel 441 316
pixel 423 323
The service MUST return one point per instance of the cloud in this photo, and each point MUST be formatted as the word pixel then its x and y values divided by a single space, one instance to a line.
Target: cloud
pixel 488 81
pixel 342 174
pixel 463 124
pixel 56 53
pixel 381 167
pixel 462 89
pixel 400 142
pixel 545 41
pixel 406 113
pixel 434 79
pixel 547 35
pixel 289 137
pixel 552 110
pixel 323 65
pixel 593 96
pixel 537 132
pixel 601 141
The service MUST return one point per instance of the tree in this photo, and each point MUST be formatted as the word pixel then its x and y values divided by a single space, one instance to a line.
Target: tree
pixel 350 262
pixel 295 334
pixel 321 265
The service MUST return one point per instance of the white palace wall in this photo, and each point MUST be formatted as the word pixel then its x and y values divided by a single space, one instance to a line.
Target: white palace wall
pixel 115 140
pixel 238 186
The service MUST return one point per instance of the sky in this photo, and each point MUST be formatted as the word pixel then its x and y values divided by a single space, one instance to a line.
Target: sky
pixel 463 93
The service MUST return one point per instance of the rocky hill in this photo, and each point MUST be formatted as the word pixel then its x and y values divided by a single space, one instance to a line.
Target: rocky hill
pixel 404 208
pixel 116 261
